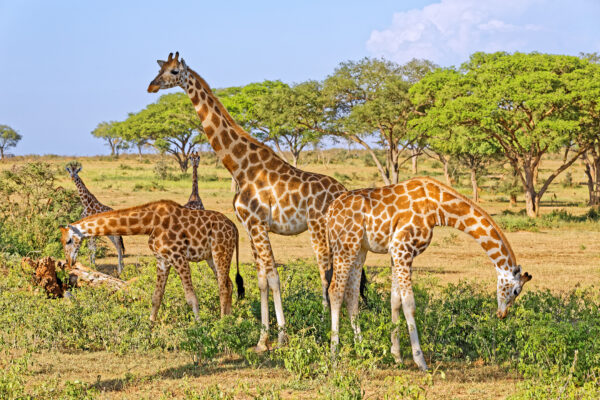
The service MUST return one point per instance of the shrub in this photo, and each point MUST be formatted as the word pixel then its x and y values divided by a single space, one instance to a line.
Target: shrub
pixel 32 209
pixel 161 170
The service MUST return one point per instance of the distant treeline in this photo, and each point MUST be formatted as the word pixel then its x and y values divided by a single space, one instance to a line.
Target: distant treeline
pixel 512 107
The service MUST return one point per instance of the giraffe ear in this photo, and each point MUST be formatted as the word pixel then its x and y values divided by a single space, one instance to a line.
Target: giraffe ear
pixel 526 277
pixel 160 63
pixel 78 169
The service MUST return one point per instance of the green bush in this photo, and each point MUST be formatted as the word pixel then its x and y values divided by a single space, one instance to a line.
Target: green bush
pixel 456 322
pixel 32 209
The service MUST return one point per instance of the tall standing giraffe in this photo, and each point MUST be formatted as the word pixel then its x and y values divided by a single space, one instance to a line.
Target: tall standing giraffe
pixel 194 202
pixel 177 235
pixel 273 196
pixel 92 206
pixel 399 220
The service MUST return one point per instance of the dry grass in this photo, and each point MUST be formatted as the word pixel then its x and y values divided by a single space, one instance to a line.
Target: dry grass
pixel 558 259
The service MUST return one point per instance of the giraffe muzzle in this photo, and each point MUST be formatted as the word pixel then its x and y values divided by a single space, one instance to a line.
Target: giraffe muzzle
pixel 153 88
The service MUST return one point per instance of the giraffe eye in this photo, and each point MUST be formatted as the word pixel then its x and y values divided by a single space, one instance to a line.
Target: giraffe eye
pixel 175 71
pixel 69 241
pixel 517 291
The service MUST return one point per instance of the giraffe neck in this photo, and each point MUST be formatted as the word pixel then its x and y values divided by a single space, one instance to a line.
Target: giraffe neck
pixel 237 150
pixel 461 213
pixel 139 220
pixel 88 200
pixel 194 196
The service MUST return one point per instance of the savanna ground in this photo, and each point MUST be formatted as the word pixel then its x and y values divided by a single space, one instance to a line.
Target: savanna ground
pixel 101 344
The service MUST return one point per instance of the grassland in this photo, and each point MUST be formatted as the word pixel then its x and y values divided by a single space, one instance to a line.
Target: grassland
pixel 563 256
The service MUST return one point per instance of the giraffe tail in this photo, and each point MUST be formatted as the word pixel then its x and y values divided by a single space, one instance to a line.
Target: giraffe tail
pixel 363 285
pixel 239 281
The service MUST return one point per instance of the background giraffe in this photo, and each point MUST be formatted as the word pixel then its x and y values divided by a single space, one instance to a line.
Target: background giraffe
pixel 399 220
pixel 273 196
pixel 176 236
pixel 92 206
pixel 194 202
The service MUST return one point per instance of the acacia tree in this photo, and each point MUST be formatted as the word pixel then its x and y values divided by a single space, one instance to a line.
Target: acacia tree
pixel 522 102
pixel 586 84
pixel 8 138
pixel 263 110
pixel 170 125
pixel 361 99
pixel 106 131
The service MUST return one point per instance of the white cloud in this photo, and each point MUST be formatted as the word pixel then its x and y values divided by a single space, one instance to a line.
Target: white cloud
pixel 449 31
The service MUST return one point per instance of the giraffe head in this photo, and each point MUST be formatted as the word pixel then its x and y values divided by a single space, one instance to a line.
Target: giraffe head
pixel 195 159
pixel 71 239
pixel 73 168
pixel 172 73
pixel 510 284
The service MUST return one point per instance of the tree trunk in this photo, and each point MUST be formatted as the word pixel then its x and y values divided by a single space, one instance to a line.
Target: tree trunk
pixel 446 162
pixel 513 200
pixel 592 170
pixel 280 151
pixel 295 156
pixel 415 161
pixel 474 185
pixel 139 147
pixel 532 203
pixel 1 153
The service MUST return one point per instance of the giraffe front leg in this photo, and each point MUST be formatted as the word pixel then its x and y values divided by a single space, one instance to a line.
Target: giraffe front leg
pixel 267 278
pixel 408 306
pixel 116 240
pixel 162 274
pixel 92 248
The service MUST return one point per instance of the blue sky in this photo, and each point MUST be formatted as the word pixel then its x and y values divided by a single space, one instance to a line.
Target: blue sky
pixel 68 65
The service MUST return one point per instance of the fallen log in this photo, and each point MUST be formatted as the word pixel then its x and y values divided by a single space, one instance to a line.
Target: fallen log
pixel 44 274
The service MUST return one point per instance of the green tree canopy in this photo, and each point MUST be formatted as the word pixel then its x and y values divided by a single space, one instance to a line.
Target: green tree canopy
pixel 522 102
pixel 107 132
pixel 263 109
pixel 362 99
pixel 170 124
pixel 586 84
pixel 8 138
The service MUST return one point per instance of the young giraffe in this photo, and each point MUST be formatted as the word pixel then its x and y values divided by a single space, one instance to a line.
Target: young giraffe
pixel 195 202
pixel 273 196
pixel 92 206
pixel 177 236
pixel 399 220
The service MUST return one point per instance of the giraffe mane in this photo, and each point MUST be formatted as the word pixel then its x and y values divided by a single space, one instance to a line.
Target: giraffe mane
pixel 228 116
pixel 479 209
pixel 134 208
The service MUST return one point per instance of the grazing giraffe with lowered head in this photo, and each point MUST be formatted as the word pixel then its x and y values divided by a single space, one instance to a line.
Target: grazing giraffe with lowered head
pixel 273 196
pixel 177 236
pixel 92 206
pixel 399 220
pixel 194 202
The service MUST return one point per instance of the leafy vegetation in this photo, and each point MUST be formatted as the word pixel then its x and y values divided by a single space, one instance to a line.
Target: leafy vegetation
pixel 33 206
pixel 547 337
